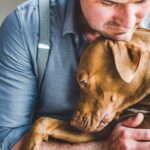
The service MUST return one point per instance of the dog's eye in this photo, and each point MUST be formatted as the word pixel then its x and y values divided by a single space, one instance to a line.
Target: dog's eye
pixel 84 83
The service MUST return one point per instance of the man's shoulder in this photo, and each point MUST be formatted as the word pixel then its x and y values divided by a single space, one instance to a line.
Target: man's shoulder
pixel 29 4
pixel 30 7
pixel 28 14
pixel 34 3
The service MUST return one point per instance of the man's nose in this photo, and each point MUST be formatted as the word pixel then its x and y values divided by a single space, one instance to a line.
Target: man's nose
pixel 126 16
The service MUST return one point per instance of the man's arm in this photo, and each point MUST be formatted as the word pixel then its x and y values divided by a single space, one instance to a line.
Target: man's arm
pixel 18 88
pixel 124 137
pixel 53 145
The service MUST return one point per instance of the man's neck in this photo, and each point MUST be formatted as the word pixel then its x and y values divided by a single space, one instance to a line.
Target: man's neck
pixel 91 36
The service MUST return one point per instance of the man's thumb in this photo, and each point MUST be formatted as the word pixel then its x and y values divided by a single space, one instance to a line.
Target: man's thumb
pixel 133 121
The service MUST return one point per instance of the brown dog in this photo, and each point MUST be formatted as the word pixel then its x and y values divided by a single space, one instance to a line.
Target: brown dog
pixel 113 75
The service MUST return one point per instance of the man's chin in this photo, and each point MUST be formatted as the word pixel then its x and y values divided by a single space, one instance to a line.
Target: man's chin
pixel 120 36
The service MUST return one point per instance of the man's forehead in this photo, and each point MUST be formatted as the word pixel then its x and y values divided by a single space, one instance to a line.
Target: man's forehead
pixel 124 1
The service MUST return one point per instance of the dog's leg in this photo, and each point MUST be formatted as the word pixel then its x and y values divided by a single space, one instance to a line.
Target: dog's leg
pixel 71 135
pixel 45 127
pixel 38 132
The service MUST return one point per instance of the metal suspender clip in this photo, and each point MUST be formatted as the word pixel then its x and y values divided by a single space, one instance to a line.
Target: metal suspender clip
pixel 43 46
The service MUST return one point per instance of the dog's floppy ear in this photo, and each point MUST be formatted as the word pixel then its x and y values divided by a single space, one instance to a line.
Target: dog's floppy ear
pixel 126 57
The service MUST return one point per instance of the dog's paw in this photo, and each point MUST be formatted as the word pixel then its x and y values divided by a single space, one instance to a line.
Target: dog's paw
pixel 34 141
pixel 32 147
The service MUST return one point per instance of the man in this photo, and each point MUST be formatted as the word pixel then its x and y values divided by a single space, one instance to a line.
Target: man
pixel 72 29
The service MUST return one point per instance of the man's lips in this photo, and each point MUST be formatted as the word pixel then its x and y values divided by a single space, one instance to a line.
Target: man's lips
pixel 119 33
pixel 118 30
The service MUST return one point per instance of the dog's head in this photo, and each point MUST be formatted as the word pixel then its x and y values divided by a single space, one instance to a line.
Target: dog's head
pixel 111 76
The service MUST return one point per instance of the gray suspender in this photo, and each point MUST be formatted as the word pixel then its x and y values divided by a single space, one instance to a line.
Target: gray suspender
pixel 44 41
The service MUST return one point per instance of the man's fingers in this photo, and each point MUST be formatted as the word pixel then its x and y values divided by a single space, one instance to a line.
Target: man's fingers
pixel 133 121
pixel 139 134
pixel 142 146
pixel 135 145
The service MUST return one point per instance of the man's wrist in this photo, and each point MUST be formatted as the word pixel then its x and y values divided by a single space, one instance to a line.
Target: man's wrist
pixel 55 145
pixel 20 144
pixel 94 145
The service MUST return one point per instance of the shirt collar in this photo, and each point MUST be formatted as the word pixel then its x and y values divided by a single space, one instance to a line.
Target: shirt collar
pixel 69 19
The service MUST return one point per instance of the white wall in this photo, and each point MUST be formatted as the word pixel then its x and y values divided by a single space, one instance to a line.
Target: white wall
pixel 7 6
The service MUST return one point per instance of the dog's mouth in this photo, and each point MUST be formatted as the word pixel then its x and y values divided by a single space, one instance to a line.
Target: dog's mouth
pixel 92 122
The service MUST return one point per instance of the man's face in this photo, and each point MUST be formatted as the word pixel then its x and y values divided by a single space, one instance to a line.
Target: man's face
pixel 116 19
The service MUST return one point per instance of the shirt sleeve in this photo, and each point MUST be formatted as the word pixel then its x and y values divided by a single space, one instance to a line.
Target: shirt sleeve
pixel 17 83
pixel 146 22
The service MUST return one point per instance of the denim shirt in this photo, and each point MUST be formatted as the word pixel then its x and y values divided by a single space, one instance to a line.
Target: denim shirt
pixel 19 35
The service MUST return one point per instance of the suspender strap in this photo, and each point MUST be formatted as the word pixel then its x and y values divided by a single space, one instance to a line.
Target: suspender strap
pixel 44 41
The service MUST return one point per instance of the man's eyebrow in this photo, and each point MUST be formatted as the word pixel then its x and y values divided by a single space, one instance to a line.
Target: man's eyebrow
pixel 122 1
pixel 140 1
pixel 112 1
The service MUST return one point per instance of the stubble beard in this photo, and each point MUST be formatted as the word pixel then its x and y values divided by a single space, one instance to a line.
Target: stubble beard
pixel 118 35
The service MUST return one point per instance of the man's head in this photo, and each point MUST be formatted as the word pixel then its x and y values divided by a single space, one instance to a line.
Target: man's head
pixel 116 19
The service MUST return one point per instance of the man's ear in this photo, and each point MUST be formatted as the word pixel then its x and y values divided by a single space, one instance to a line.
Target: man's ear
pixel 127 58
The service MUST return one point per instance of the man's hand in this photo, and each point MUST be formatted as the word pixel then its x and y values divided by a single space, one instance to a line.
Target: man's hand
pixel 126 137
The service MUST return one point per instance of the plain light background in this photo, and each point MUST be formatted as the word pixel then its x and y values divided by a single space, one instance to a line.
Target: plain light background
pixel 6 6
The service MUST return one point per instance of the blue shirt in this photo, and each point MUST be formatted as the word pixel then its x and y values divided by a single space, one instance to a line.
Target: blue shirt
pixel 19 35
